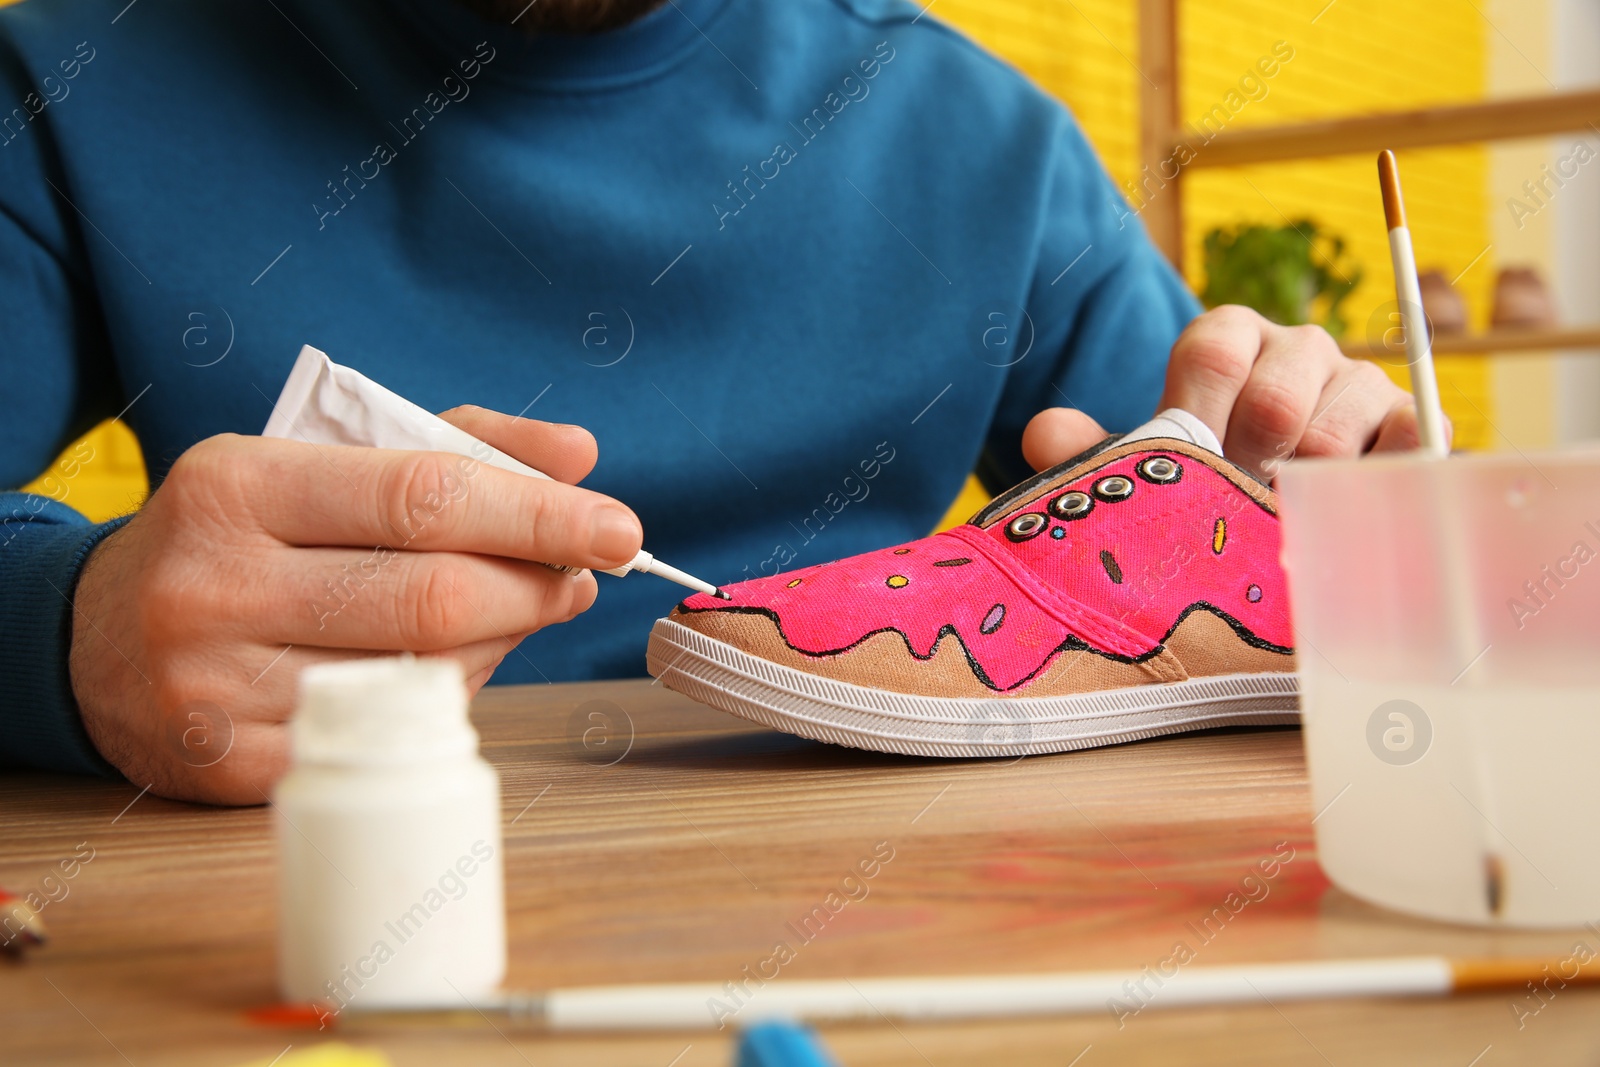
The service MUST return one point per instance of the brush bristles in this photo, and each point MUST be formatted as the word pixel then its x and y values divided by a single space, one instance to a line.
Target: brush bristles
pixel 1394 208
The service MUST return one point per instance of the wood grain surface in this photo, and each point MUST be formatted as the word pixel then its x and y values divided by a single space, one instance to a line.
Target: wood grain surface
pixel 663 841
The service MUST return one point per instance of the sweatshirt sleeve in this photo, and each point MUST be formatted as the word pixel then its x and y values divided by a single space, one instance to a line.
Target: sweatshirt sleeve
pixel 43 546
pixel 1102 313
pixel 59 381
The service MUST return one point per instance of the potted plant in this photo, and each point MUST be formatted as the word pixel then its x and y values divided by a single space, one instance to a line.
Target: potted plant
pixel 1292 274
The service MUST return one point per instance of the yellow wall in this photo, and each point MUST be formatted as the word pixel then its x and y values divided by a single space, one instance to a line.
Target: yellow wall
pixel 1083 52
pixel 101 474
pixel 1357 56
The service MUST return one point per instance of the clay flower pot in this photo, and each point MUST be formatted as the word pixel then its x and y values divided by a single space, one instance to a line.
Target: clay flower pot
pixel 1522 300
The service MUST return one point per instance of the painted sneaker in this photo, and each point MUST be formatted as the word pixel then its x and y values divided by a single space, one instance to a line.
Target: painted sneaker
pixel 1130 592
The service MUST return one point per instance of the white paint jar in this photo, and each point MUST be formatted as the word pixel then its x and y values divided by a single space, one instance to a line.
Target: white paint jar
pixel 391 887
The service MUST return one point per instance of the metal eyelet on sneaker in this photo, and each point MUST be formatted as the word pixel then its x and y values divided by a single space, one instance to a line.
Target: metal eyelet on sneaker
pixel 1073 505
pixel 1161 470
pixel 1025 526
pixel 1114 488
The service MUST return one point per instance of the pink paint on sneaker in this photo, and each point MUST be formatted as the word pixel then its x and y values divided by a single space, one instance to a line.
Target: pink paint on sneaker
pixel 1108 556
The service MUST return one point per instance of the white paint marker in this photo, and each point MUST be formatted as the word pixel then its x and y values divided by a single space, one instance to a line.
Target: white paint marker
pixel 1408 291
pixel 328 404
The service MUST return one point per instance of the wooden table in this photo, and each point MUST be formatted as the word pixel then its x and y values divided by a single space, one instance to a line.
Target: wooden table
pixel 686 858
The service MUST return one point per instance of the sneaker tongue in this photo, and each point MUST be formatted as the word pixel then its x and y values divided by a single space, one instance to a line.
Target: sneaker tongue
pixel 1176 423
pixel 1173 424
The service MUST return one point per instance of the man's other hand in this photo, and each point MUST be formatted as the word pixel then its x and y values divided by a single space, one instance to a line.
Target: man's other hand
pixel 1269 392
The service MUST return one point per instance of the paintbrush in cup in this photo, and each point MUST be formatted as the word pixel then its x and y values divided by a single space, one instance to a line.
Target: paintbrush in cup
pixel 1453 567
pixel 1408 291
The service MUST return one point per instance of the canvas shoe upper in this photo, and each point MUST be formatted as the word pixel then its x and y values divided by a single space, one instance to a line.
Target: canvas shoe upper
pixel 1146 562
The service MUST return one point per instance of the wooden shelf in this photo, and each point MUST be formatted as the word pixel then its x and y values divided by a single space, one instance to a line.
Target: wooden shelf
pixel 1160 133
pixel 1493 120
pixel 1503 342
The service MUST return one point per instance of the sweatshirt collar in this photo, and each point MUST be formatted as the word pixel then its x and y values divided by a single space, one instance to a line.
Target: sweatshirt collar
pixel 568 62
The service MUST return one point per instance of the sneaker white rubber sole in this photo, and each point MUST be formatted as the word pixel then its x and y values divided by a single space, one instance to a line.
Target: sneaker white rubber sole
pixel 718 674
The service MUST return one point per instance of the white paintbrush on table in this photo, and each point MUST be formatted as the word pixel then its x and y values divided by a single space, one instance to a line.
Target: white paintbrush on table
pixel 713 1006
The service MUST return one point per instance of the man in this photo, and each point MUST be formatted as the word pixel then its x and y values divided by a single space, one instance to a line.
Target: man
pixel 756 248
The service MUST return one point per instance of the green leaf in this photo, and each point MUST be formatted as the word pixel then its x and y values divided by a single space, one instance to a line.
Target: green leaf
pixel 1291 274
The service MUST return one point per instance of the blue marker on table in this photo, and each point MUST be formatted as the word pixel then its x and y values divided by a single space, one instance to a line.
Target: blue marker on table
pixel 781 1044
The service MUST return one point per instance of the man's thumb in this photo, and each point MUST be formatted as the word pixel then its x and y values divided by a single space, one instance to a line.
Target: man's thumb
pixel 1058 434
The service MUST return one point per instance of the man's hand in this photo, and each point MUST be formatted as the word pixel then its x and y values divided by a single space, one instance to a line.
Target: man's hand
pixel 257 557
pixel 1269 392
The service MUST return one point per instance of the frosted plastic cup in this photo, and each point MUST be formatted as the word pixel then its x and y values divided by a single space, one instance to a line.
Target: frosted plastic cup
pixel 1447 617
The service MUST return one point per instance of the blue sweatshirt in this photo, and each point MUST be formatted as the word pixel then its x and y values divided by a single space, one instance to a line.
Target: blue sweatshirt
pixel 800 265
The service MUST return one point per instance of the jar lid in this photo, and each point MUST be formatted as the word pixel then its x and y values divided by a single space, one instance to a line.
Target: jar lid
pixel 382 711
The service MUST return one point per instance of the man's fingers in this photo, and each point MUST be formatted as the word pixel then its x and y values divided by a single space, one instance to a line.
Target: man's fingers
pixel 330 495
pixel 565 453
pixel 1351 411
pixel 1278 401
pixel 1399 432
pixel 278 675
pixel 479 679
pixel 418 601
pixel 1210 363
pixel 1055 435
